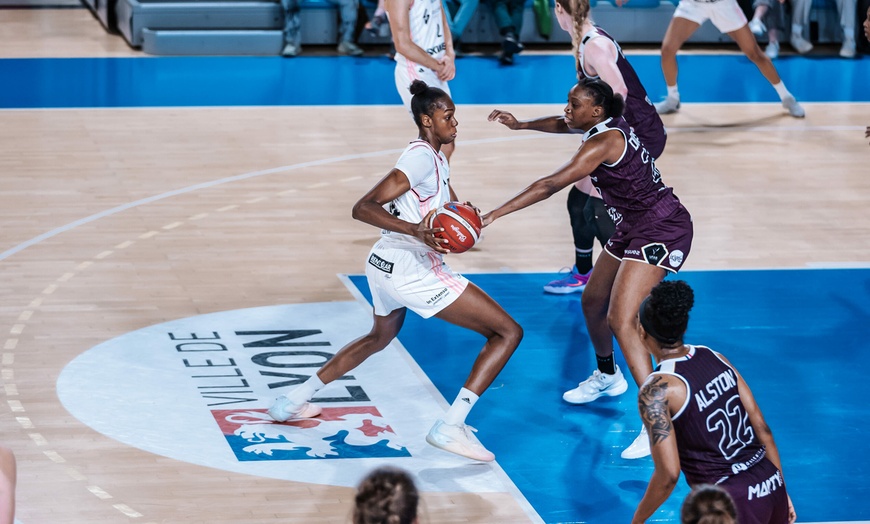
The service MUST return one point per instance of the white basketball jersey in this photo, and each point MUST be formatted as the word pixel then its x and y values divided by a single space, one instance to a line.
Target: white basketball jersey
pixel 429 175
pixel 425 21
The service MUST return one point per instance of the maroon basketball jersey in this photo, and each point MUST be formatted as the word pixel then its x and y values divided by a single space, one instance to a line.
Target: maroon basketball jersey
pixel 639 111
pixel 714 436
pixel 631 188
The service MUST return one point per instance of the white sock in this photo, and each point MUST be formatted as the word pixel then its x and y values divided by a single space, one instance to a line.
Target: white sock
pixel 673 92
pixel 797 30
pixel 306 390
pixel 460 408
pixel 781 90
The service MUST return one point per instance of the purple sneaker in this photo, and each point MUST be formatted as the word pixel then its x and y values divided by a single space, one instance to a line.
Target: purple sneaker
pixel 574 282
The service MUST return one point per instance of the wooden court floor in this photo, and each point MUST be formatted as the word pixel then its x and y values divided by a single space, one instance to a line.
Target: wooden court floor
pixel 113 220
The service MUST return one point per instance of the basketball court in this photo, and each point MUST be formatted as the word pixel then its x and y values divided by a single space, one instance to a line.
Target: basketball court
pixel 178 249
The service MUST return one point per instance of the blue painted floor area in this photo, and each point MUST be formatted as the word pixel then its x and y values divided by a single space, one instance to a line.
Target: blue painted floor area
pixel 799 337
pixel 271 81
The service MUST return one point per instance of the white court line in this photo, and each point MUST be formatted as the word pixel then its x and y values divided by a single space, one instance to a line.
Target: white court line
pixel 205 185
pixel 513 490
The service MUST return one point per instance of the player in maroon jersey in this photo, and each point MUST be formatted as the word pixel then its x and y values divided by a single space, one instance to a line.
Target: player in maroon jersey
pixel 653 230
pixel 702 418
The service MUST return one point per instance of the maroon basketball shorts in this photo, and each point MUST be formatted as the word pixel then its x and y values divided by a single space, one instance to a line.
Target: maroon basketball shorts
pixel 663 242
pixel 759 494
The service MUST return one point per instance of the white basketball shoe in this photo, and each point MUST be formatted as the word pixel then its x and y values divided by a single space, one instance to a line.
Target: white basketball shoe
pixel 458 439
pixel 639 448
pixel 598 385
pixel 283 409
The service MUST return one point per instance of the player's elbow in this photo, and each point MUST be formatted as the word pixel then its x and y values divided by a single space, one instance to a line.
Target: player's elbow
pixel 356 212
pixel 667 478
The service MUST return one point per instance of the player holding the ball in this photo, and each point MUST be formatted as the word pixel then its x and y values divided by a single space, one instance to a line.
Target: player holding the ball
pixel 405 270
pixel 653 233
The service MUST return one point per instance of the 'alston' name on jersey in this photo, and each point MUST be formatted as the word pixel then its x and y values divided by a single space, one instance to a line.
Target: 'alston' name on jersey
pixel 715 388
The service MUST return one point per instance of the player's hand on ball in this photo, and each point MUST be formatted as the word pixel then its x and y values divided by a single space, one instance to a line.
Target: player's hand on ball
pixel 472 206
pixel 503 117
pixel 427 233
pixel 486 219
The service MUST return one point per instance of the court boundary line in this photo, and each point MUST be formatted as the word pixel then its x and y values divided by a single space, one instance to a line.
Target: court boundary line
pixel 513 490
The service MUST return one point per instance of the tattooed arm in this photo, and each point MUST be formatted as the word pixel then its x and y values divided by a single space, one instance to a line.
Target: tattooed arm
pixel 656 396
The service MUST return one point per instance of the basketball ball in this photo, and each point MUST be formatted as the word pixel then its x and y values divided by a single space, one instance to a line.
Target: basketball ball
pixel 461 226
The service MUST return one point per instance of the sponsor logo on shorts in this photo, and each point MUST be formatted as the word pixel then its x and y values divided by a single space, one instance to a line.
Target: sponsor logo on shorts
pixel 763 489
pixel 633 252
pixel 438 296
pixel 676 258
pixel 654 254
pixel 380 263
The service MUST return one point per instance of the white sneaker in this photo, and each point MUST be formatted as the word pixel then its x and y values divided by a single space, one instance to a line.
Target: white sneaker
pixel 794 108
pixel 772 50
pixel 639 448
pixel 848 49
pixel 598 385
pixel 283 410
pixel 291 50
pixel 459 440
pixel 668 105
pixel 800 44
pixel 757 27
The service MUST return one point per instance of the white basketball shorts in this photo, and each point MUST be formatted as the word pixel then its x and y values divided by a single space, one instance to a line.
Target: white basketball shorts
pixel 726 15
pixel 407 73
pixel 417 280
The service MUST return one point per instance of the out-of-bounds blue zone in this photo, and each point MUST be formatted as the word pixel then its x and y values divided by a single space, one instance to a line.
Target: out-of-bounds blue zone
pixel 270 81
pixel 799 338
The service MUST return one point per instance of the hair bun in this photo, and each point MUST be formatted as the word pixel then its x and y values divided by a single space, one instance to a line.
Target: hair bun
pixel 418 86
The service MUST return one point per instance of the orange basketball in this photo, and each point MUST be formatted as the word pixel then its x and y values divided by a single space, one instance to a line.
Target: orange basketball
pixel 461 226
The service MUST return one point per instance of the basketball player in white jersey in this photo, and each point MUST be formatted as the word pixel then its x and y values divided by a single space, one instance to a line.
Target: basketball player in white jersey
pixel 405 270
pixel 424 48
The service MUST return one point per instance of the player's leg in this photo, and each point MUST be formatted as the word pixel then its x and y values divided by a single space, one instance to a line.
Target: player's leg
pixel 583 232
pixel 295 403
pixel 477 311
pixel 679 30
pixel 634 281
pixel 607 379
pixel 748 44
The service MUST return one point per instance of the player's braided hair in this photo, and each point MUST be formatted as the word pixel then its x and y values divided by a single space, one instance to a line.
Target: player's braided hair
pixel 665 314
pixel 579 11
pixel 425 99
pixel 386 496
pixel 708 504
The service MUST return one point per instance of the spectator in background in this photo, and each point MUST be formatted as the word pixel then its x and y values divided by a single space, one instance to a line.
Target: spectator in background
pixel 347 11
pixel 379 25
pixel 769 17
pixel 708 504
pixel 801 20
pixel 386 496
pixel 509 19
pixel 458 14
